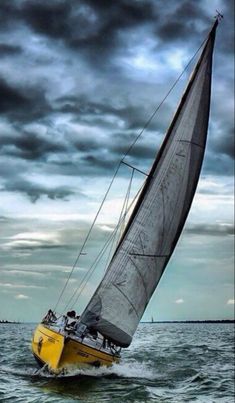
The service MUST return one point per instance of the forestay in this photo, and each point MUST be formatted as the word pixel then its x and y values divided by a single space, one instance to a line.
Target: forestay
pixel 159 216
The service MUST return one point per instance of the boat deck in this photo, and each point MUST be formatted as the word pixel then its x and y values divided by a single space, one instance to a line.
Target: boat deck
pixel 88 340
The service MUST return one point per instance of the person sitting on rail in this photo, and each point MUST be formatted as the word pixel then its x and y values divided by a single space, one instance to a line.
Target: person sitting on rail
pixel 71 315
pixel 50 317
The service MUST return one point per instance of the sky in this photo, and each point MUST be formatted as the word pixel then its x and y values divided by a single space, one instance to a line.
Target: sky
pixel 78 81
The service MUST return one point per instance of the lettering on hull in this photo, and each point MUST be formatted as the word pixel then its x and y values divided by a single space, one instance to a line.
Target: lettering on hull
pixel 82 353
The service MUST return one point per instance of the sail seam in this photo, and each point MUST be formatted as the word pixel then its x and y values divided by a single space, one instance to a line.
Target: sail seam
pixel 141 243
pixel 180 155
pixel 143 282
pixel 145 255
pixel 124 295
pixel 191 142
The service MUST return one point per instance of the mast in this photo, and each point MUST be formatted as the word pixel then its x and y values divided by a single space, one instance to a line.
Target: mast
pixel 159 215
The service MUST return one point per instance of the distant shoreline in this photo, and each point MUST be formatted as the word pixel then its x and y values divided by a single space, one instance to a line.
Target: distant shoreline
pixel 193 321
pixel 9 322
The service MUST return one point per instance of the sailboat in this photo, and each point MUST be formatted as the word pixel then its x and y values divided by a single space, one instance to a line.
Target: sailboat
pixel 114 311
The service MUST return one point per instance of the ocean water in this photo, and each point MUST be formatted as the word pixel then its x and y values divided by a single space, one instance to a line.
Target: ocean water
pixel 165 363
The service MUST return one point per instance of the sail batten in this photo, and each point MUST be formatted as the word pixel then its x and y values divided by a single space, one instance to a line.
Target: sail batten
pixel 159 215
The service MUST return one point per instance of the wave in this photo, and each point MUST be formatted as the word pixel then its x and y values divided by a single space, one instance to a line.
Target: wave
pixel 131 369
pixel 174 364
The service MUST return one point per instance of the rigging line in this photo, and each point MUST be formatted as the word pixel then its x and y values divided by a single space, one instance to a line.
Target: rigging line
pixel 87 275
pixel 108 279
pixel 96 261
pixel 124 209
pixel 125 204
pixel 110 251
pixel 120 224
pixel 87 236
pixel 118 166
pixel 128 196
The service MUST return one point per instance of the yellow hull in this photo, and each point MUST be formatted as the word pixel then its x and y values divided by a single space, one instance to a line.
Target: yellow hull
pixel 60 352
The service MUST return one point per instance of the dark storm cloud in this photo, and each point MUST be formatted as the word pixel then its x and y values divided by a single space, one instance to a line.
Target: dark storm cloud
pixel 225 143
pixel 190 11
pixel 11 98
pixel 6 50
pixel 188 19
pixel 181 22
pixel 35 191
pixel 85 110
pixel 89 25
pixel 93 26
pixel 98 33
pixel 132 117
pixel 22 104
pixel 218 164
pixel 227 46
pixel 93 163
pixel 220 150
pixel 98 113
pixel 48 18
pixel 9 12
pixel 140 151
pixel 29 146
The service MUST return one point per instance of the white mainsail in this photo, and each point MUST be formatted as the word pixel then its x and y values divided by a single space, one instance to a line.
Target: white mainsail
pixel 156 223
